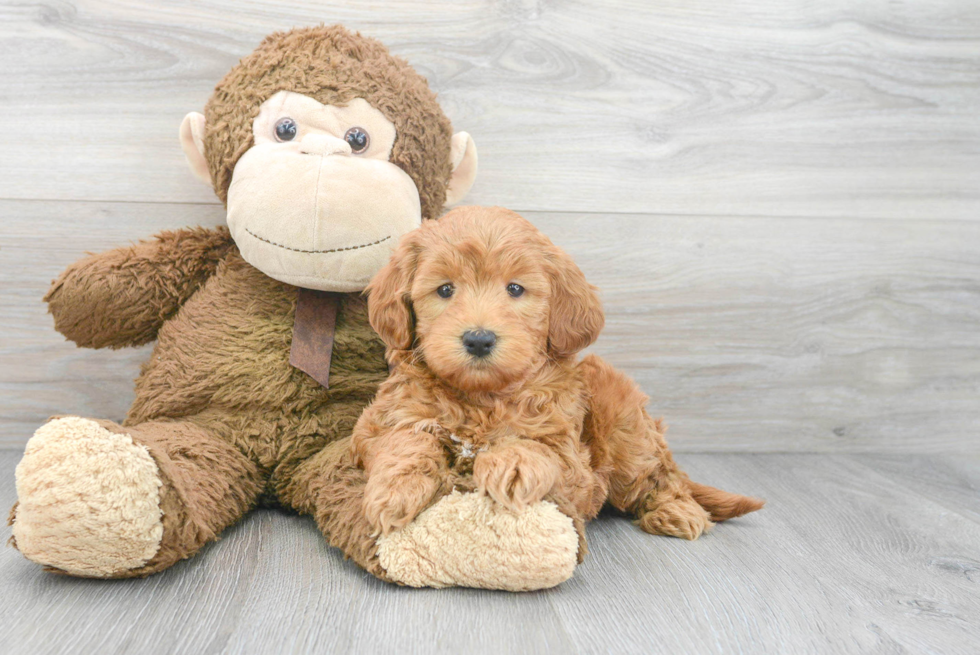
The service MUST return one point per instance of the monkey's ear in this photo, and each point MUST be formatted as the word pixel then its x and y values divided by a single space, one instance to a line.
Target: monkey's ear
pixel 192 141
pixel 463 157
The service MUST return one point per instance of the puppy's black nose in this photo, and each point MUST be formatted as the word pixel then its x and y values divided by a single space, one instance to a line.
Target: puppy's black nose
pixel 479 343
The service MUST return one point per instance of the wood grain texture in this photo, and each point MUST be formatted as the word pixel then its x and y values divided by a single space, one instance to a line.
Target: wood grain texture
pixel 848 557
pixel 780 203
pixel 41 373
pixel 837 108
pixel 749 334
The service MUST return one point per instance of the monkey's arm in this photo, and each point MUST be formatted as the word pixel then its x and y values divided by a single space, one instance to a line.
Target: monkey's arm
pixel 121 297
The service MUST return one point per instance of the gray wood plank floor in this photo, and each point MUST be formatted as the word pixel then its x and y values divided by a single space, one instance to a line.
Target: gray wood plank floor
pixel 853 554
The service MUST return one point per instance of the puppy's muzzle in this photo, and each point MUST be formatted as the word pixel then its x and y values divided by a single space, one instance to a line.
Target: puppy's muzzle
pixel 479 342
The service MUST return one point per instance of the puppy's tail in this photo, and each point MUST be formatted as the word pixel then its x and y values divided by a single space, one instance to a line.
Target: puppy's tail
pixel 721 504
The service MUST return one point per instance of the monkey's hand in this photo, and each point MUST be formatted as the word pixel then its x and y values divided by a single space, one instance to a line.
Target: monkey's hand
pixel 121 297
pixel 517 474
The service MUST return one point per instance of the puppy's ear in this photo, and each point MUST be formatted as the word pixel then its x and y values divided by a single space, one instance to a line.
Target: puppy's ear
pixel 576 312
pixel 389 296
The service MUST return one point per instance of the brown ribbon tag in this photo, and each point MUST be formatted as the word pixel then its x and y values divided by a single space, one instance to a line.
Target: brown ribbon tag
pixel 313 331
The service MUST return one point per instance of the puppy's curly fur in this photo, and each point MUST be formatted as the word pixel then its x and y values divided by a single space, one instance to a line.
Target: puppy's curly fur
pixel 522 421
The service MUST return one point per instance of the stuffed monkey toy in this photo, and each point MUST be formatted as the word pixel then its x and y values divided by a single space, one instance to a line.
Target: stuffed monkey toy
pixel 324 149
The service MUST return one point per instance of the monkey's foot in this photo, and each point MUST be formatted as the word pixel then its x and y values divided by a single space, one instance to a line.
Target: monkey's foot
pixel 88 500
pixel 467 540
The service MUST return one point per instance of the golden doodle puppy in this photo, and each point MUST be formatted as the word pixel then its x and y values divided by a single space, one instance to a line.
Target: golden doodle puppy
pixel 483 317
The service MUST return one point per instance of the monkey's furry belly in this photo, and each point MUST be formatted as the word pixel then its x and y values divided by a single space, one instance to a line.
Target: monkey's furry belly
pixel 224 359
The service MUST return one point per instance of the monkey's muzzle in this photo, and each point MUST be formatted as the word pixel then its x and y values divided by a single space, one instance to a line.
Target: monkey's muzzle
pixel 322 219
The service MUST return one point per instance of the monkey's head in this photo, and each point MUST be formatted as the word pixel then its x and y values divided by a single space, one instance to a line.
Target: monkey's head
pixel 325 149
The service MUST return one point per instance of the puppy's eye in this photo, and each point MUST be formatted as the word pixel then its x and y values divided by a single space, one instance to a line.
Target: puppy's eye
pixel 358 139
pixel 515 290
pixel 446 290
pixel 286 129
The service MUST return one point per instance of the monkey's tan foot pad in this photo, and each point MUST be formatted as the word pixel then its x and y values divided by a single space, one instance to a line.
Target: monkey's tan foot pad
pixel 88 500
pixel 467 540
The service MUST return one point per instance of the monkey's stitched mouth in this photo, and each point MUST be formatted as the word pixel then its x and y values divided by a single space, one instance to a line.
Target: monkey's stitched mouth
pixel 317 252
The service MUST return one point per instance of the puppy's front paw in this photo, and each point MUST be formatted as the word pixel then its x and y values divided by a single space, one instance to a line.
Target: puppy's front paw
pixel 676 517
pixel 515 477
pixel 432 426
pixel 391 503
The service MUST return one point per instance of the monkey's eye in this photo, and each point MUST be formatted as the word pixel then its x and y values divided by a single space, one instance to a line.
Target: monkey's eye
pixel 515 290
pixel 286 129
pixel 358 140
pixel 446 290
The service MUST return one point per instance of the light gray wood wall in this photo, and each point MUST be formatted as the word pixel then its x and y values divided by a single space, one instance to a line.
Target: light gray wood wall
pixel 779 199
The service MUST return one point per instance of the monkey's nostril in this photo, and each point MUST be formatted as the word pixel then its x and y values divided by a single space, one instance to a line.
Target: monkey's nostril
pixel 479 342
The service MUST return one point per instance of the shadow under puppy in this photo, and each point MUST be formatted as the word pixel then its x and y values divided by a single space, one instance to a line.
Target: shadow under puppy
pixel 483 317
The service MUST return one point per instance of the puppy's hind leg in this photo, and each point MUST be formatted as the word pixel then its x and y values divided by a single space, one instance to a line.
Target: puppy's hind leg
pixel 629 447
pixel 648 483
